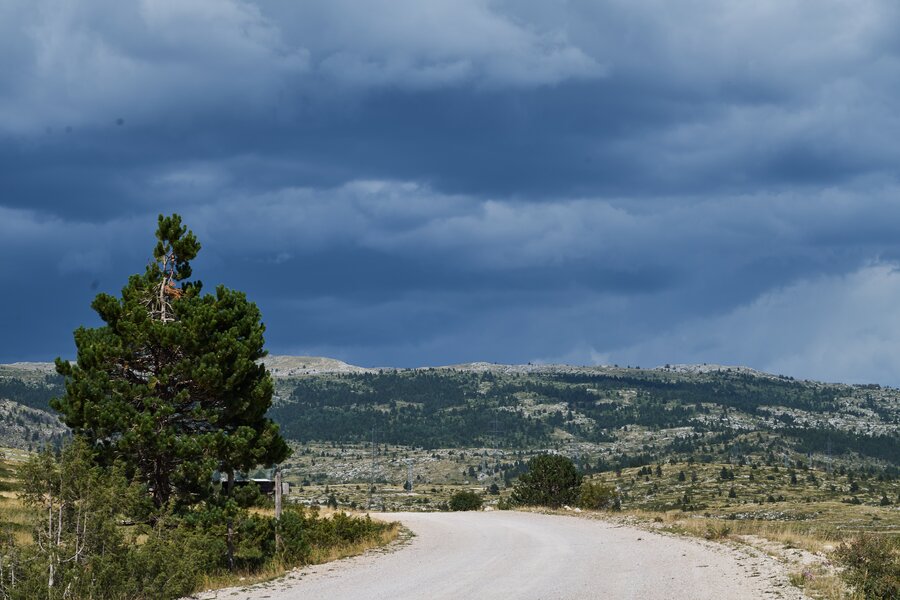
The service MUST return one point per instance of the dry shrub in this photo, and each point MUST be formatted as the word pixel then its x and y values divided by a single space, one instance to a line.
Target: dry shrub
pixel 872 566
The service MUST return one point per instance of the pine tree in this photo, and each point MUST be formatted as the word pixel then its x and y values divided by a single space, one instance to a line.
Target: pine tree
pixel 171 385
pixel 551 480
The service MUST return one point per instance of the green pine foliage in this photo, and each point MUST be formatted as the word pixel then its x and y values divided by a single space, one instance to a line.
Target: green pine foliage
pixel 419 408
pixel 552 480
pixel 34 395
pixel 465 500
pixel 170 386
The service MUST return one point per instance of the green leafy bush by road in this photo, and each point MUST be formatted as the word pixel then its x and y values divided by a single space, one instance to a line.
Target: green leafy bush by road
pixel 465 500
pixel 551 480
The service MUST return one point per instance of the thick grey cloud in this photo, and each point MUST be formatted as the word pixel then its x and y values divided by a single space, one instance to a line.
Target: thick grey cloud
pixel 841 328
pixel 418 183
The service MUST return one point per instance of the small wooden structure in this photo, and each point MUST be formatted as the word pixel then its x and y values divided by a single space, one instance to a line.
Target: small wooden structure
pixel 266 486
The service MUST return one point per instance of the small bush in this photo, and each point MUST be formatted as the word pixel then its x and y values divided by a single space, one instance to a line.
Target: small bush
pixel 872 566
pixel 170 564
pixel 465 500
pixel 248 495
pixel 597 496
pixel 717 532
pixel 551 480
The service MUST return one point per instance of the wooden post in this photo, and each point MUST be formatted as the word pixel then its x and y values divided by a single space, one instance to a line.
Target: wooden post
pixel 277 492
pixel 277 509
pixel 229 533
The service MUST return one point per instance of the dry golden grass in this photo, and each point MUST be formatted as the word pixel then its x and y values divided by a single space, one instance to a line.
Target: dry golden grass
pixel 384 538
pixel 217 582
pixel 323 512
pixel 791 534
pixel 261 511
pixel 15 517
pixel 13 511
pixel 827 525
pixel 820 583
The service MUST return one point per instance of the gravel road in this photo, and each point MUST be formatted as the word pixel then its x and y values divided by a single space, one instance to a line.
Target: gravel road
pixel 532 556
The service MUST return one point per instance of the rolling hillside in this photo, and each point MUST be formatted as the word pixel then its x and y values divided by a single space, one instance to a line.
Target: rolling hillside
pixel 610 416
pixel 606 417
pixel 26 420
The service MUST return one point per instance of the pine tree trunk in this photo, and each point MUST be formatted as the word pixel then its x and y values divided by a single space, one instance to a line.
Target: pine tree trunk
pixel 230 539
pixel 160 483
pixel 59 525
pixel 162 300
pixel 50 551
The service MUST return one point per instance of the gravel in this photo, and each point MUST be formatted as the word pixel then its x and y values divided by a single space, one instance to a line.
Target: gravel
pixel 532 556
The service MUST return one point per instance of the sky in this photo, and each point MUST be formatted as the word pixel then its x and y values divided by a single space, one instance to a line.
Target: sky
pixel 407 183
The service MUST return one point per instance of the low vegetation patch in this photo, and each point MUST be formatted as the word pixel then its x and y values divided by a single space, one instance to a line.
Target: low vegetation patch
pixel 598 496
pixel 92 548
pixel 551 480
pixel 872 566
pixel 465 500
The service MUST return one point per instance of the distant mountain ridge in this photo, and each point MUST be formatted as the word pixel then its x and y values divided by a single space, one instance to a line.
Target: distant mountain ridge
pixel 282 366
pixel 612 414
pixel 291 366
pixel 286 365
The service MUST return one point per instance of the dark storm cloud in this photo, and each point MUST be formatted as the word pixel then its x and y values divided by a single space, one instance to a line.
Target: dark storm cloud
pixel 419 183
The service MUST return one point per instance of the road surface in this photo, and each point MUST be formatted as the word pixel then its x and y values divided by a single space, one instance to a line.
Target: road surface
pixel 531 556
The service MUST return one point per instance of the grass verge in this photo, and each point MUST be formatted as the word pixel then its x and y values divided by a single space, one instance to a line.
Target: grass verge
pixel 317 556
